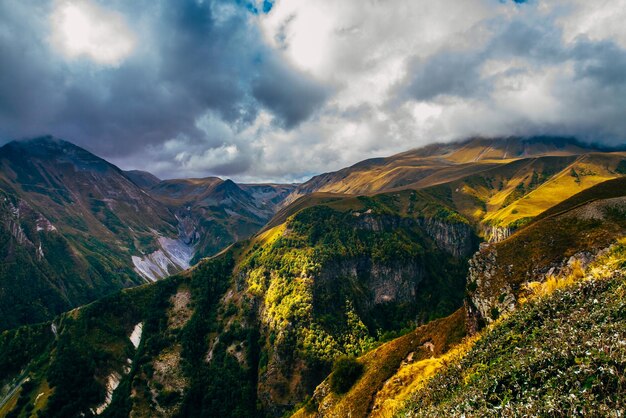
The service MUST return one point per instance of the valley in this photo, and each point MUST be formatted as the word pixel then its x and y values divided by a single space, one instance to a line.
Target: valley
pixel 426 272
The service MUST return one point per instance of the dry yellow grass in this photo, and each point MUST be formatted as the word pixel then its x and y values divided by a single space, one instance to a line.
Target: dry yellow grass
pixel 382 364
pixel 42 394
pixel 602 267
pixel 413 376
pixel 559 188
pixel 10 404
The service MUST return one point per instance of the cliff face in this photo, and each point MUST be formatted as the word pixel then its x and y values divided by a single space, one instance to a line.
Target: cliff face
pixel 493 290
pixel 494 234
pixel 488 296
pixel 380 273
pixel 555 246
pixel 459 239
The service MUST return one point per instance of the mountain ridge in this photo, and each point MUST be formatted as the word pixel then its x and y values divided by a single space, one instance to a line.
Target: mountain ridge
pixel 116 233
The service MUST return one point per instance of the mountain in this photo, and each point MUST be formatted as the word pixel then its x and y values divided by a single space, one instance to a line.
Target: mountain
pixel 142 179
pixel 549 292
pixel 70 223
pixel 497 184
pixel 256 328
pixel 74 227
pixel 215 213
pixel 364 304
pixel 440 163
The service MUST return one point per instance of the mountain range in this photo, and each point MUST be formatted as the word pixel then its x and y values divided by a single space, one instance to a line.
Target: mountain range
pixel 76 228
pixel 428 283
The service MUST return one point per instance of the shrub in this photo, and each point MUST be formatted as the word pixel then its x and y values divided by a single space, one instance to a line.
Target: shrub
pixel 346 371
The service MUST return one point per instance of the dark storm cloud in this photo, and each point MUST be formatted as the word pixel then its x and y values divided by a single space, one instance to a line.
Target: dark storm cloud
pixel 292 96
pixel 446 73
pixel 191 58
pixel 275 90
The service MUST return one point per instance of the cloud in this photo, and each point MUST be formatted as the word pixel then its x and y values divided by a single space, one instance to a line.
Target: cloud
pixel 260 90
pixel 84 28
pixel 292 96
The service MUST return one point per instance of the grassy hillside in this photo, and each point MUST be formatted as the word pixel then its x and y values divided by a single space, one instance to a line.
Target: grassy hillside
pixel 440 163
pixel 513 193
pixel 382 364
pixel 507 368
pixel 562 354
pixel 497 184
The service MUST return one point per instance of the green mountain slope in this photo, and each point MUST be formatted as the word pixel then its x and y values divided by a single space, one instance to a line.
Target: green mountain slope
pixel 500 199
pixel 74 227
pixel 215 213
pixel 69 224
pixel 254 330
pixel 553 293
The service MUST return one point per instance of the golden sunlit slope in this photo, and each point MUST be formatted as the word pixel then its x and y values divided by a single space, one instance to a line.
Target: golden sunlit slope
pixel 389 372
pixel 438 163
pixel 511 194
pixel 496 196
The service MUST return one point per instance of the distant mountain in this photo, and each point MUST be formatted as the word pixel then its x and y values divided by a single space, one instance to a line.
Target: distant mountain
pixel 76 227
pixel 439 163
pixel 142 179
pixel 214 213
pixel 498 184
pixel 70 223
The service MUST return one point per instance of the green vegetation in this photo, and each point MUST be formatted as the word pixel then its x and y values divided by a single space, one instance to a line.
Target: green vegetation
pixel 346 371
pixel 560 355
pixel 315 280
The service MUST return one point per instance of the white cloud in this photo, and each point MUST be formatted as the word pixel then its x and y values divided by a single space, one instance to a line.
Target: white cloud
pixel 598 20
pixel 82 28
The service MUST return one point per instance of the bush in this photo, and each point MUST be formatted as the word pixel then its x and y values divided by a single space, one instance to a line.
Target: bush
pixel 346 371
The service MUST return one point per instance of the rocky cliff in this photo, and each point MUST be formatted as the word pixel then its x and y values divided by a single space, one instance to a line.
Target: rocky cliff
pixel 555 246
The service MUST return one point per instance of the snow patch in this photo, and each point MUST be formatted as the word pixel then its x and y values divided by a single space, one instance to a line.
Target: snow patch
pixel 44 225
pixel 179 252
pixel 113 381
pixel 135 336
pixel 174 255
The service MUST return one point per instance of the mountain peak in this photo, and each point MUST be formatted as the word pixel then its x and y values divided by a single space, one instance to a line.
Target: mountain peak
pixel 43 144
pixel 49 149
pixel 143 179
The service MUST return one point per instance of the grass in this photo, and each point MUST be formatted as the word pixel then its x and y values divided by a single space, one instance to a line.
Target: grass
pixel 562 353
pixel 412 377
pixel 556 189
pixel 10 404
pixel 382 364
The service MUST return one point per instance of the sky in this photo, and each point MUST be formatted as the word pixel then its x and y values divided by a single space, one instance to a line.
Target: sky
pixel 281 90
